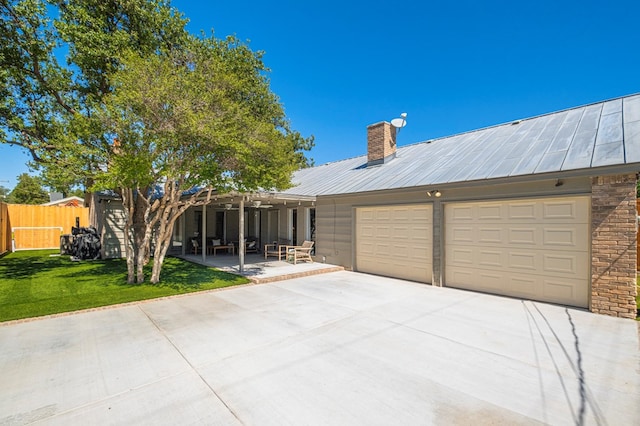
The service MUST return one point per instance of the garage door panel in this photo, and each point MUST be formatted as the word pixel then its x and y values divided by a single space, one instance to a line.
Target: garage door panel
pixel 540 262
pixel 400 244
pixel 463 276
pixel 519 261
pixel 491 258
pixel 568 265
pixel 401 215
pixel 368 231
pixel 417 255
pixel 565 291
pixel 382 247
pixel 522 235
pixel 522 211
pixel 367 215
pixel 460 256
pixel 489 281
pixel 559 236
pixel 573 237
pixel 517 211
pixel 490 235
pixel 562 211
pixel 535 248
pixel 462 234
pixel 368 249
pixel 382 214
pixel 400 252
pixel 420 232
pixel 401 233
pixel 490 212
pixel 382 232
pixel 461 213
pixel 523 286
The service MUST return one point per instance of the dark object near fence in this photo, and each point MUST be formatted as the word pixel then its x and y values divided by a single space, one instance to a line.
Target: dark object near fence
pixel 86 243
pixel 66 244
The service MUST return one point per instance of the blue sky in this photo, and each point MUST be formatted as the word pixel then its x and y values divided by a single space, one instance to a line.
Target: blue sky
pixel 339 66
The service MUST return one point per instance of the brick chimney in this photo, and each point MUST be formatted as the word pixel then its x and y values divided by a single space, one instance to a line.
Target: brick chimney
pixel 381 143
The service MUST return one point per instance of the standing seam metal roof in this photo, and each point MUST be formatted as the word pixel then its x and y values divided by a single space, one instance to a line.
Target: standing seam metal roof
pixel 602 134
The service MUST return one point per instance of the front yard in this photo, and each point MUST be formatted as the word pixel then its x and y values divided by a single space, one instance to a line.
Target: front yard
pixel 39 282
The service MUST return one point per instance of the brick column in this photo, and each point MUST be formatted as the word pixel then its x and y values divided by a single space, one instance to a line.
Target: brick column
pixel 613 245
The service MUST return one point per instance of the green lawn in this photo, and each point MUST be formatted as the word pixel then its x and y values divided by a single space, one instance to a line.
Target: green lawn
pixel 36 283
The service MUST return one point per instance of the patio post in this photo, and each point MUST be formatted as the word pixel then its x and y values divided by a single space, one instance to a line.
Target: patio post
pixel 241 242
pixel 204 233
pixel 183 233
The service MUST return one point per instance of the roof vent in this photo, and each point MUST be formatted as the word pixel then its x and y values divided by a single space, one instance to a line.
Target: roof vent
pixel 513 123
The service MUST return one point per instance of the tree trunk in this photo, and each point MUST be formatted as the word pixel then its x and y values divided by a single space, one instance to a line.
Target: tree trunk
pixel 129 210
pixel 140 227
pixel 167 213
pixel 163 241
pixel 140 265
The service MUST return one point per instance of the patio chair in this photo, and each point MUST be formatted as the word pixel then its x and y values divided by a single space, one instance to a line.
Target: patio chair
pixel 274 249
pixel 252 246
pixel 195 246
pixel 303 252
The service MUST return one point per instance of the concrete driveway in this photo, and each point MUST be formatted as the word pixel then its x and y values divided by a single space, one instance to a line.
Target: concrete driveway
pixel 340 348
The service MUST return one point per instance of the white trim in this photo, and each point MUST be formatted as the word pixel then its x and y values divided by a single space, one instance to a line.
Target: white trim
pixel 64 201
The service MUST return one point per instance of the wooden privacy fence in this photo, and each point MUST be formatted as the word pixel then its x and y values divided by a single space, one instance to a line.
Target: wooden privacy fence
pixel 40 227
pixel 5 230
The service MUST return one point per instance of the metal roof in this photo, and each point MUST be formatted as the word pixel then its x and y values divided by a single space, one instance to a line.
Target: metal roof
pixel 604 134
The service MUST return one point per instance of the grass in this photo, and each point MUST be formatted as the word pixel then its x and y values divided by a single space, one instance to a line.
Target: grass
pixel 36 283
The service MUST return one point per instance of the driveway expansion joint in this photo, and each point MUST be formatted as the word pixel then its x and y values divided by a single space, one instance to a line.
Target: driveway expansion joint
pixel 195 370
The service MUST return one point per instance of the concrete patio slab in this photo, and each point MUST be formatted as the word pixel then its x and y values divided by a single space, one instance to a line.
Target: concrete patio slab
pixel 337 348
pixel 260 270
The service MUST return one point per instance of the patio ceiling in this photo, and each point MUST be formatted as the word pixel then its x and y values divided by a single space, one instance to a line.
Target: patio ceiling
pixel 261 200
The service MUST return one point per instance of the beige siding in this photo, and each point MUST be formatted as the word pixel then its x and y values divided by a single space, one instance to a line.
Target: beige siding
pixel 531 248
pixel 334 239
pixel 112 232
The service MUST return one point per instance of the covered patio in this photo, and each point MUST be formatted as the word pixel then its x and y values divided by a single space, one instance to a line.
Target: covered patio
pixel 217 230
pixel 260 270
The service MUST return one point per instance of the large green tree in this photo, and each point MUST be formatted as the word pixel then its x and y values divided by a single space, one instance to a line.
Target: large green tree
pixel 28 190
pixel 199 119
pixel 4 193
pixel 46 104
pixel 186 112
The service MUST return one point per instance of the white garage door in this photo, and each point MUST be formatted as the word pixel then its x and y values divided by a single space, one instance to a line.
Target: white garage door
pixel 534 248
pixel 395 241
